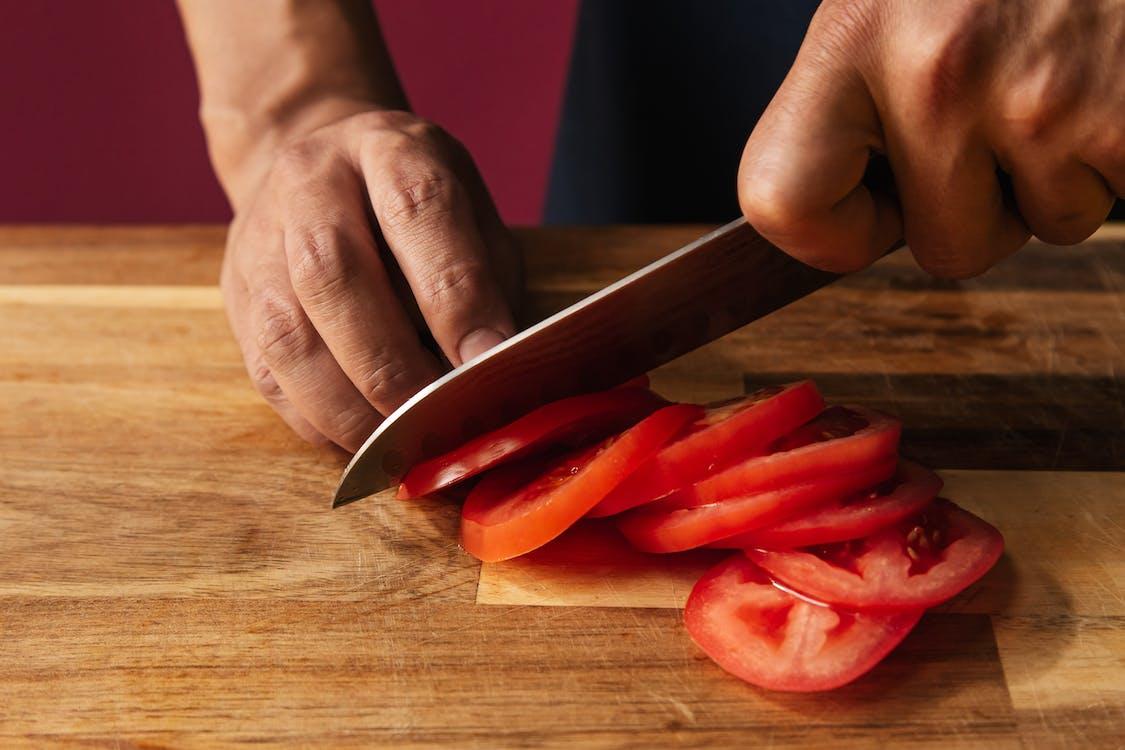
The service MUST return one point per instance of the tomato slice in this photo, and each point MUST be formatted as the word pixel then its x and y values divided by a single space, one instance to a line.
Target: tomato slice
pixel 519 508
pixel 917 563
pixel 840 439
pixel 664 526
pixel 641 381
pixel 727 431
pixel 852 517
pixel 772 638
pixel 587 417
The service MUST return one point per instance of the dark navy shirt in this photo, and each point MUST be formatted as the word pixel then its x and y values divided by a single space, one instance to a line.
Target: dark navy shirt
pixel 660 99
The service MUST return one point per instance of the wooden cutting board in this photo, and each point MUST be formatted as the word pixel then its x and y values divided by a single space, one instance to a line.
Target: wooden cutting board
pixel 170 574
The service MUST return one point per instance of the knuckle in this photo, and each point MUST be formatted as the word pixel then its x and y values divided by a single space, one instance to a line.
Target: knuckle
pixel 454 283
pixel 384 119
pixel 1034 106
pixel 840 25
pixel 942 65
pixel 425 130
pixel 790 223
pixel 386 382
pixel 389 149
pixel 437 140
pixel 266 384
pixel 387 144
pixel 353 427
pixel 283 334
pixel 416 196
pixel 320 262
pixel 770 206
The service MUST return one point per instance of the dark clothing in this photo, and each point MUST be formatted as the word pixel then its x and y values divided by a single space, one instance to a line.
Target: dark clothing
pixel 659 102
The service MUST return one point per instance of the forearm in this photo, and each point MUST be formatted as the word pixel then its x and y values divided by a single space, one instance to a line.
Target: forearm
pixel 272 69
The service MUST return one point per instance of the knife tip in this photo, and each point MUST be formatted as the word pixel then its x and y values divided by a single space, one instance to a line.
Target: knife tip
pixel 342 499
pixel 345 496
pixel 352 488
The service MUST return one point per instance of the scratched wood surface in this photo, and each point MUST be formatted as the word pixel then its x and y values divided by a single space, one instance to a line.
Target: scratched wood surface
pixel 170 574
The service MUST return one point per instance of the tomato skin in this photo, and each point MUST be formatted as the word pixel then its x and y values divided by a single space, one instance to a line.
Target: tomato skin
pixel 726 432
pixel 518 508
pixel 665 526
pixel 915 487
pixel 593 415
pixel 771 638
pixel 873 439
pixel 915 564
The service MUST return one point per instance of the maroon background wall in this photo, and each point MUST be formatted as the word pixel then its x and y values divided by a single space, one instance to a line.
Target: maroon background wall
pixel 99 103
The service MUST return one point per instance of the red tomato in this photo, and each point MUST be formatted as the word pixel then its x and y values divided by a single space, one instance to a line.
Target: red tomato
pixel 596 544
pixel 774 639
pixel 841 439
pixel 664 526
pixel 641 381
pixel 519 508
pixel 917 563
pixel 590 416
pixel 726 432
pixel 855 516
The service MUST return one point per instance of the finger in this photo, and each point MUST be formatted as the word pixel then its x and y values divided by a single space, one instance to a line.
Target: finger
pixel 344 289
pixel 297 357
pixel 1106 154
pixel 956 217
pixel 427 220
pixel 504 250
pixel 1061 203
pixel 235 297
pixel 270 390
pixel 800 181
pixel 1116 180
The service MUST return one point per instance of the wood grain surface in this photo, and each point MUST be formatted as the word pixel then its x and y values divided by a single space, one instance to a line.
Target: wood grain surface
pixel 171 576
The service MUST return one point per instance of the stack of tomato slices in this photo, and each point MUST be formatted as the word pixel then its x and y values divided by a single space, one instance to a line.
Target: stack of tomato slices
pixel 840 544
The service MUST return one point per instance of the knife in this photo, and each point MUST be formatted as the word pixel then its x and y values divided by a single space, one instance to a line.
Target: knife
pixel 688 298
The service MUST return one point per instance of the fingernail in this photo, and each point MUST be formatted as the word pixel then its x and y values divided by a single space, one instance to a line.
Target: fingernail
pixel 476 343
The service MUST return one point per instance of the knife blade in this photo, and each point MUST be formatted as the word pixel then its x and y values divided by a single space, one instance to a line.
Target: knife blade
pixel 692 296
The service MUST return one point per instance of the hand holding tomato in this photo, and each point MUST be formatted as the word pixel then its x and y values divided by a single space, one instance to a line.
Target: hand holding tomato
pixel 961 97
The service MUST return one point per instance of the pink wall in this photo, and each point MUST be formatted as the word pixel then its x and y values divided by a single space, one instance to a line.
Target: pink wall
pixel 99 115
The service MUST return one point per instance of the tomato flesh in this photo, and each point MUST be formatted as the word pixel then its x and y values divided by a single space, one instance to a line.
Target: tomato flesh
pixel 852 517
pixel 839 440
pixel 726 432
pixel 916 563
pixel 590 416
pixel 769 637
pixel 516 509
pixel 665 526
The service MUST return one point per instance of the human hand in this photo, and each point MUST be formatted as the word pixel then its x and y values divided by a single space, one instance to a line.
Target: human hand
pixel 951 93
pixel 326 338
